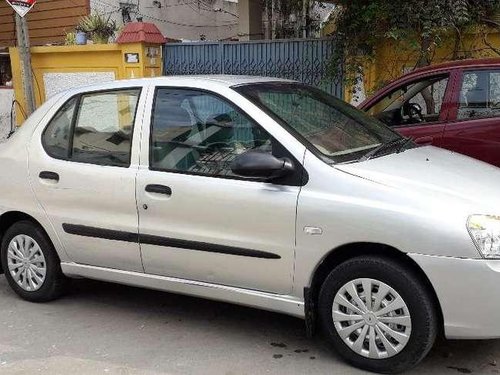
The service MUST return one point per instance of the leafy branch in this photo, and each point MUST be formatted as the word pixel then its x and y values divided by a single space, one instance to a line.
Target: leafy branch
pixel 421 25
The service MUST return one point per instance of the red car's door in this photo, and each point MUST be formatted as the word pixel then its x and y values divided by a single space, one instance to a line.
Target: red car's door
pixel 418 107
pixel 473 127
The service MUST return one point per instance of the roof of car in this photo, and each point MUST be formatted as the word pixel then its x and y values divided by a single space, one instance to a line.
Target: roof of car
pixel 194 81
pixel 429 71
pixel 463 64
pixel 230 80
pixel 468 63
pixel 224 80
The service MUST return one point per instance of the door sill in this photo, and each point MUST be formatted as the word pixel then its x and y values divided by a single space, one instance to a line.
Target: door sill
pixel 285 304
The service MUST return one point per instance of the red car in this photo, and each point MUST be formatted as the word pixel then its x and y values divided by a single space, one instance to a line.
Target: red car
pixel 453 105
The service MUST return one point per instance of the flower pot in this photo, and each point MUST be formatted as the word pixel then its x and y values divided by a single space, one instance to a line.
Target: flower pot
pixel 81 38
pixel 100 39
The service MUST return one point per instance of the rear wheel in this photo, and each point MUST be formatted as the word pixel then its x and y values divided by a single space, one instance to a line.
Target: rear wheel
pixel 30 262
pixel 377 314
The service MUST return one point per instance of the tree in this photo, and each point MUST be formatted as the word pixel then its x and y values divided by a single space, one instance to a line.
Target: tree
pixel 292 18
pixel 361 25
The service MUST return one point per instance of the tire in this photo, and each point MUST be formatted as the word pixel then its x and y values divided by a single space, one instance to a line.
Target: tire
pixel 415 337
pixel 44 281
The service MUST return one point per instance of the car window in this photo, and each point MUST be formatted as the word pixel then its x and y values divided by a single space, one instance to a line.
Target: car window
pixel 198 132
pixel 103 128
pixel 57 134
pixel 313 118
pixel 334 130
pixel 480 95
pixel 417 103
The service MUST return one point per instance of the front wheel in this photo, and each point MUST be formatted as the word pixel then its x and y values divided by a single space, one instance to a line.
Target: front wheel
pixel 31 264
pixel 377 314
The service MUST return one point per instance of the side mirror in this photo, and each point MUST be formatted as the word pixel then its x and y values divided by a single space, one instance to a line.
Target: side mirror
pixel 261 165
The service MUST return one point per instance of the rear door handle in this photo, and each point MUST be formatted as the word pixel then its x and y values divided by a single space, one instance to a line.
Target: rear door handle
pixel 159 189
pixel 46 175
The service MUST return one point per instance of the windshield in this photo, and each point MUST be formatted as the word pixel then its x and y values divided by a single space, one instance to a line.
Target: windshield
pixel 336 131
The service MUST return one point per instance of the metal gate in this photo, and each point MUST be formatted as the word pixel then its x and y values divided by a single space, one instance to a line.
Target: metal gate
pixel 304 60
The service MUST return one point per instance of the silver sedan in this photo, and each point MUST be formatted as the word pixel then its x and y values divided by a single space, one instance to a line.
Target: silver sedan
pixel 261 192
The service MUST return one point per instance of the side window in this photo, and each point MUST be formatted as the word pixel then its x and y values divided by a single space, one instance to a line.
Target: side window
pixel 103 128
pixel 102 134
pixel 480 95
pixel 418 103
pixel 197 132
pixel 57 134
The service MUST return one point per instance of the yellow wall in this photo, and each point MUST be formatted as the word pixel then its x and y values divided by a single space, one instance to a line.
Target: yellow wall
pixel 73 59
pixel 394 59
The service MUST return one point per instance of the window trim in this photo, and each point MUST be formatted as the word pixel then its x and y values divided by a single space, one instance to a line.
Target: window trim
pixel 75 117
pixel 299 178
pixel 442 112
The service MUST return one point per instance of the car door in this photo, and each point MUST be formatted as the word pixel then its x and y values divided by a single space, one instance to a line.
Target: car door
pixel 83 168
pixel 474 126
pixel 416 108
pixel 198 221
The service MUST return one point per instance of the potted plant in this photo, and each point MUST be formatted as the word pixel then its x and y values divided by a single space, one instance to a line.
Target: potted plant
pixel 80 36
pixel 98 27
pixel 70 39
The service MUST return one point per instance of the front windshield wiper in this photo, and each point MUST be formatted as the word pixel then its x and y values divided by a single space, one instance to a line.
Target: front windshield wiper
pixel 384 146
pixel 407 141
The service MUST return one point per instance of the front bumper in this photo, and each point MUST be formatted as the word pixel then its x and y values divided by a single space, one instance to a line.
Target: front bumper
pixel 469 293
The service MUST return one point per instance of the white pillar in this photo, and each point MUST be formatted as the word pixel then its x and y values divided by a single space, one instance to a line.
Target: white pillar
pixel 250 21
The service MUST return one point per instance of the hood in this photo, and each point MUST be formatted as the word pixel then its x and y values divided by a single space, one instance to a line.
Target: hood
pixel 434 173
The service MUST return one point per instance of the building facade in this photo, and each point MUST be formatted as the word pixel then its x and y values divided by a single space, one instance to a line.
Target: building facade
pixel 187 20
pixel 48 21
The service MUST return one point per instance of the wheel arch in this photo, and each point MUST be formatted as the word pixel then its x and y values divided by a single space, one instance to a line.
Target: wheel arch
pixel 8 219
pixel 352 250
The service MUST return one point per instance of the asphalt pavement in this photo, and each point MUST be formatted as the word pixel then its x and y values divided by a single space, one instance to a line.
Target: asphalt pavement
pixel 101 328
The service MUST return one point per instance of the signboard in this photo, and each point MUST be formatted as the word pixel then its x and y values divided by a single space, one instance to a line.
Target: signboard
pixel 132 58
pixel 22 7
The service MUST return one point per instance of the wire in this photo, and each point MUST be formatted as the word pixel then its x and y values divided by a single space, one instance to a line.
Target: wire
pixel 187 25
pixel 11 119
pixel 23 112
pixel 203 5
pixel 37 84
pixel 12 126
pixel 168 21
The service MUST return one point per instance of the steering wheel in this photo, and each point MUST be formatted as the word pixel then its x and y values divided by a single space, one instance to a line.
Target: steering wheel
pixel 413 111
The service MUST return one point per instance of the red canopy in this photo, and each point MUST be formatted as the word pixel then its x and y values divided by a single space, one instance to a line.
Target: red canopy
pixel 136 32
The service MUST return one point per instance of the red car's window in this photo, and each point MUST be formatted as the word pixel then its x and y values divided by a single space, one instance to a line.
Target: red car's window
pixel 416 103
pixel 480 95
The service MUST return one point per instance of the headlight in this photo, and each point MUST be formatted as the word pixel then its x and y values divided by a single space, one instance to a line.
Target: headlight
pixel 485 232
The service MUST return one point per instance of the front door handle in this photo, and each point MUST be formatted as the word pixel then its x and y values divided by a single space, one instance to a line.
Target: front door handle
pixel 159 189
pixel 46 175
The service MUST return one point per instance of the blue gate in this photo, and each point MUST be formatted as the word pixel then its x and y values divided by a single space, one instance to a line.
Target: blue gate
pixel 304 60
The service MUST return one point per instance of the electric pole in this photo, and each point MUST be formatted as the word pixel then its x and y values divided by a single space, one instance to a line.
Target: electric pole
pixel 305 18
pixel 23 44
